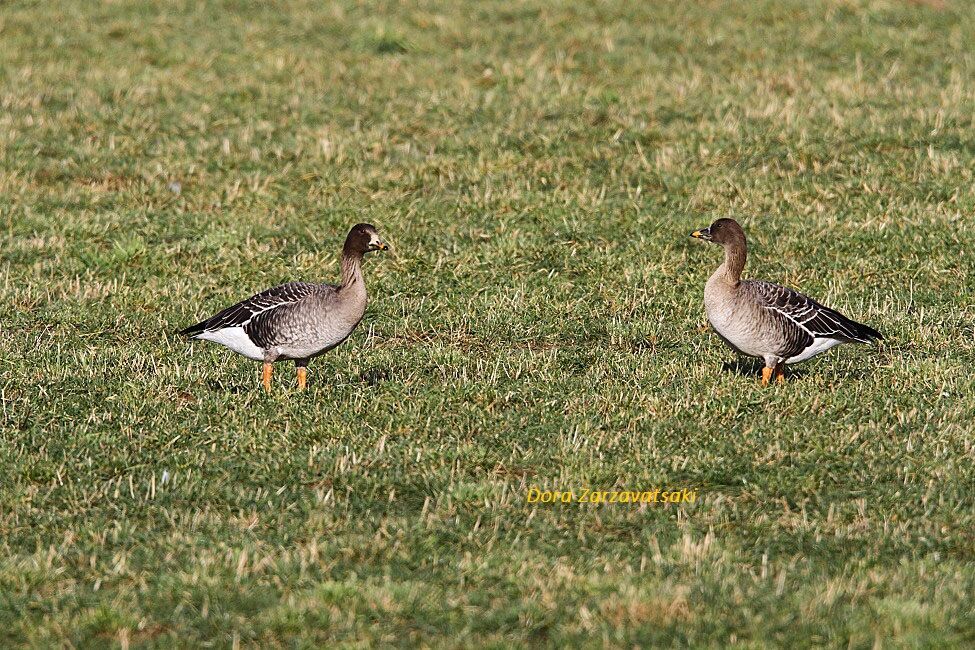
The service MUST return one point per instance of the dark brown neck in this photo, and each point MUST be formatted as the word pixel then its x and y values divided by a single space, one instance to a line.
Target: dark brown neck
pixel 735 253
pixel 351 268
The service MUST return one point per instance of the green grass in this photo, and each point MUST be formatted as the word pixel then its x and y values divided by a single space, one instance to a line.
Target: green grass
pixel 537 167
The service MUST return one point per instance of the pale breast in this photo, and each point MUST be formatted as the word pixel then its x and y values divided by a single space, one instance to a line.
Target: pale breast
pixel 734 322
pixel 319 325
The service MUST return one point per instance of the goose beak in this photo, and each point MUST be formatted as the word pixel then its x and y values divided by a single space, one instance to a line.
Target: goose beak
pixel 704 233
pixel 382 246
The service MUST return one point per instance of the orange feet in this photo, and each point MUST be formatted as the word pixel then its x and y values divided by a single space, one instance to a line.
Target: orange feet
pixel 302 377
pixel 780 373
pixel 266 377
pixel 766 376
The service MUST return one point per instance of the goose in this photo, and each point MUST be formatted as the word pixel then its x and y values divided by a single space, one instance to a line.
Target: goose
pixel 298 320
pixel 765 320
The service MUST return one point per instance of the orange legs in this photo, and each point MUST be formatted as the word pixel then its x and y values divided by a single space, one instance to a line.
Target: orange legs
pixel 266 376
pixel 778 371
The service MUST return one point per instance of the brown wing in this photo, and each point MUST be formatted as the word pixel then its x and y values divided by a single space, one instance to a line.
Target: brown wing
pixel 815 319
pixel 241 314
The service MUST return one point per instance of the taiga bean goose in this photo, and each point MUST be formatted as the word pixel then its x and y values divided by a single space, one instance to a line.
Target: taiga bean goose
pixel 766 320
pixel 298 320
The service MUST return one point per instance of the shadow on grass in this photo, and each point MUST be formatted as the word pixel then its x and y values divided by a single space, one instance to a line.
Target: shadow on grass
pixel 744 367
pixel 375 376
pixel 218 386
pixel 753 368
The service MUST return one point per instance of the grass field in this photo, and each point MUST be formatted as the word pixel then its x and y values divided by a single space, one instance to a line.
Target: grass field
pixel 537 167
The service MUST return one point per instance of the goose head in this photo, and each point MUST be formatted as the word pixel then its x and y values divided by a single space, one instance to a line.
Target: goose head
pixel 723 231
pixel 362 239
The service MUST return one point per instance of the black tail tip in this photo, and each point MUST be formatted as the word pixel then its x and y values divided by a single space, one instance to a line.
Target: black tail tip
pixel 192 330
pixel 865 334
pixel 872 334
